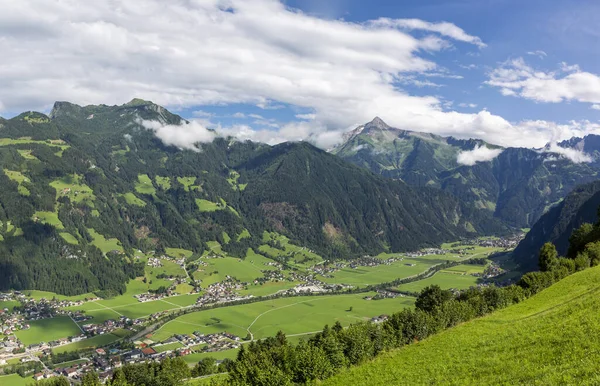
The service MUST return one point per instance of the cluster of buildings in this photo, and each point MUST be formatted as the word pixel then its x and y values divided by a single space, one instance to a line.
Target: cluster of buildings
pixel 110 325
pixel 222 292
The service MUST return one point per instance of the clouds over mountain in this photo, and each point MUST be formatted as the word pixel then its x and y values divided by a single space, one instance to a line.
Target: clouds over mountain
pixel 258 52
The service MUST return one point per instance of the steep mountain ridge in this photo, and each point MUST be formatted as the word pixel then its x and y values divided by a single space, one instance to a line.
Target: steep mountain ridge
pixel 517 186
pixel 557 225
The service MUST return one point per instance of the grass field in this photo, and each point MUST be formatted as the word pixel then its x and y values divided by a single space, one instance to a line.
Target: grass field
pixel 178 252
pixel 144 185
pixel 96 341
pixel 10 304
pixel 15 380
pixel 445 280
pixel 46 330
pixel 37 295
pixel 194 358
pixel 71 186
pixel 209 206
pixel 245 270
pixel 298 315
pixel 50 218
pixel 104 244
pixel 243 235
pixel 551 338
pixel 69 238
pixel 163 182
pixel 132 199
pixel 167 347
pixel 24 141
pixel 19 178
pixel 188 183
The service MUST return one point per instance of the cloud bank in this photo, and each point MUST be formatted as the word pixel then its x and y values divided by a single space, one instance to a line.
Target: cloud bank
pixel 574 155
pixel 185 136
pixel 216 52
pixel 516 78
pixel 478 154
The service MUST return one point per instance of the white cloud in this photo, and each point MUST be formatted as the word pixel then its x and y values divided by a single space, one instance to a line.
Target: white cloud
pixel 307 117
pixel 478 154
pixel 202 114
pixel 239 115
pixel 190 53
pixel 471 105
pixel 468 66
pixel 516 78
pixel 576 156
pixel 539 53
pixel 444 28
pixel 595 107
pixel 185 136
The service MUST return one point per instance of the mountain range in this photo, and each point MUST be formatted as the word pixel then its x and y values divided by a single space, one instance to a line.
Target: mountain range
pixel 515 185
pixel 85 187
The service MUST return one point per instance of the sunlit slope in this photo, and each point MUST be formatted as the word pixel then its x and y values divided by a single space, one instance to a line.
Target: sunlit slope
pixel 551 338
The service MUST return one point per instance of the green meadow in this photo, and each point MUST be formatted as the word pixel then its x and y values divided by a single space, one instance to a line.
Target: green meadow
pixel 294 316
pixel 71 186
pixel 549 339
pixel 144 185
pixel 104 244
pixel 46 330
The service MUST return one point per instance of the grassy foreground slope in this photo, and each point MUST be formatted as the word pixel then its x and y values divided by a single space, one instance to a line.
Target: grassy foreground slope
pixel 551 338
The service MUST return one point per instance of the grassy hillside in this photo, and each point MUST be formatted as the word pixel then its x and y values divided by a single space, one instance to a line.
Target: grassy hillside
pixel 551 338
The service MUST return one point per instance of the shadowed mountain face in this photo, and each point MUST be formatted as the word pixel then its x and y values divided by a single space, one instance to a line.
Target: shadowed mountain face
pixel 517 186
pixel 557 225
pixel 84 187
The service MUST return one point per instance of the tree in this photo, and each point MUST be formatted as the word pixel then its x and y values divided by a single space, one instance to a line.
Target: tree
pixel 206 366
pixel 432 297
pixel 90 379
pixel 548 258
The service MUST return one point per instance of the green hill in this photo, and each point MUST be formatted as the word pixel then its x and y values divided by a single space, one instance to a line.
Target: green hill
pixel 551 338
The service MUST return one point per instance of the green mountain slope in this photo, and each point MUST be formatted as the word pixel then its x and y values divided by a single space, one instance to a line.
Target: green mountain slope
pixel 518 186
pixel 551 338
pixel 556 226
pixel 83 189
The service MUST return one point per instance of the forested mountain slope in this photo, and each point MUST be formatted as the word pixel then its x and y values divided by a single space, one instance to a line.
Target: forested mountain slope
pixel 556 226
pixel 81 190
pixel 510 346
pixel 518 186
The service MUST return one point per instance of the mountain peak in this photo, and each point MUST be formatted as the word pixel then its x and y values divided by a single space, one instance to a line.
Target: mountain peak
pixel 377 123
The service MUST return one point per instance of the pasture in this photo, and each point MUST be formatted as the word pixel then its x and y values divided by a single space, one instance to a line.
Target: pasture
pixel 96 341
pixel 50 218
pixel 163 182
pixel 144 185
pixel 46 330
pixel 188 183
pixel 294 316
pixel 15 380
pixel 132 199
pixel 104 244
pixel 446 280
pixel 71 186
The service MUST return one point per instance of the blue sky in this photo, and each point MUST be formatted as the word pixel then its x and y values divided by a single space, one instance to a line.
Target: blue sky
pixel 516 73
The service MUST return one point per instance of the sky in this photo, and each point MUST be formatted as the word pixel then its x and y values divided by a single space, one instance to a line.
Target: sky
pixel 514 73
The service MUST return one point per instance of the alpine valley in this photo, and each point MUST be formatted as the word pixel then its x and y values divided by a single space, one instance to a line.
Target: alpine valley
pixel 111 239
